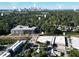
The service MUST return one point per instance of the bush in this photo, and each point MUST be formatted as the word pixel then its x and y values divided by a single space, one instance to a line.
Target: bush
pixel 73 53
pixel 7 41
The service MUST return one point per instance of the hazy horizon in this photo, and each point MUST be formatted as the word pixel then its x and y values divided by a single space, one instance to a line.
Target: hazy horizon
pixel 43 5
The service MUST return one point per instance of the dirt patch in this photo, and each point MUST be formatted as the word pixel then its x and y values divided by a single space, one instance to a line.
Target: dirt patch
pixel 17 37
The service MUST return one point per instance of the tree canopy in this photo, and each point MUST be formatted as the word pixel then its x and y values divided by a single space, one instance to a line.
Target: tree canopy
pixel 46 24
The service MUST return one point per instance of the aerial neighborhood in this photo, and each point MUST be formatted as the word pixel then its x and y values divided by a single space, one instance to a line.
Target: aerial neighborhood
pixel 39 32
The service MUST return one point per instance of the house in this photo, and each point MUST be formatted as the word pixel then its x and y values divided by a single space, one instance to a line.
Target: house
pixel 21 30
pixel 75 42
pixel 57 44
pixel 58 40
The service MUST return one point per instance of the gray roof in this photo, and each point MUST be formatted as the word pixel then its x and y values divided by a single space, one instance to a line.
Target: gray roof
pixel 59 39
pixel 20 27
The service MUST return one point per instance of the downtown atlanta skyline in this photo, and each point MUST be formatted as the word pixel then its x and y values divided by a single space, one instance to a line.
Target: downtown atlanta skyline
pixel 43 5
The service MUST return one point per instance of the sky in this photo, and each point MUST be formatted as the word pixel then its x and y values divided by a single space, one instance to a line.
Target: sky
pixel 43 5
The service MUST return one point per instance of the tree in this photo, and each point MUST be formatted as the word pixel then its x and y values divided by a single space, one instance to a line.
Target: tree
pixel 42 52
pixel 73 53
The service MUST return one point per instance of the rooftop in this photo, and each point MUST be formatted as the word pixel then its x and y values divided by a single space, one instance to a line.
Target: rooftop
pixel 75 42
pixel 59 39
pixel 20 27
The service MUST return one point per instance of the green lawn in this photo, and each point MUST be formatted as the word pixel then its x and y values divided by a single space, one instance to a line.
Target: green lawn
pixel 7 41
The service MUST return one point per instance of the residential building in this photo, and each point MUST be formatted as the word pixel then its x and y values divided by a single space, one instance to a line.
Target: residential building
pixel 21 30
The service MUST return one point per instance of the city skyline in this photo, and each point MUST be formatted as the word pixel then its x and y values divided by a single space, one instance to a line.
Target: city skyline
pixel 43 5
